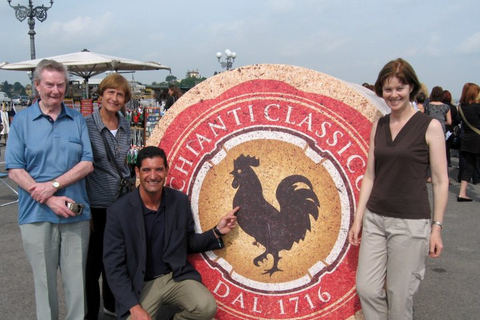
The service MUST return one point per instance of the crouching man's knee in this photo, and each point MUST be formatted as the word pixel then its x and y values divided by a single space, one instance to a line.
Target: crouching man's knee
pixel 203 308
pixel 207 307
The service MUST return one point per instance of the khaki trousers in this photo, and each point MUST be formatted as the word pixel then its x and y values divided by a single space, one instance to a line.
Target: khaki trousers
pixel 194 299
pixel 391 264
pixel 50 247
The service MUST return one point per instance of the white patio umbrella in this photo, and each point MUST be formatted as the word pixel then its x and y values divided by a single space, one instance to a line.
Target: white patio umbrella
pixel 86 64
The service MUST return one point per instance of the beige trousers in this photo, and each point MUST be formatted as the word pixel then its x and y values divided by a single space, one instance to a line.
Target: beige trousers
pixel 194 299
pixel 391 264
pixel 51 247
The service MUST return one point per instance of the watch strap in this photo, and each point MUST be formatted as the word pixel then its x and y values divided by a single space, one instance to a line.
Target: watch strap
pixel 217 232
pixel 438 223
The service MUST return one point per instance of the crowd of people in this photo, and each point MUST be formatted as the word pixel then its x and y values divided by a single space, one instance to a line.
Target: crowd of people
pixel 72 172
pixel 460 125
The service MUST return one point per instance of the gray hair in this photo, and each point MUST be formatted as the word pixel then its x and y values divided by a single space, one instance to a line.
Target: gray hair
pixel 53 65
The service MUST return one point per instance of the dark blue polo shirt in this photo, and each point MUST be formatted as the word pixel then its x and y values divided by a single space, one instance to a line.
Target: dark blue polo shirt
pixel 155 235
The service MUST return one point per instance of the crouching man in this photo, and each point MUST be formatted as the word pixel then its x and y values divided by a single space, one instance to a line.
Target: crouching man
pixel 148 234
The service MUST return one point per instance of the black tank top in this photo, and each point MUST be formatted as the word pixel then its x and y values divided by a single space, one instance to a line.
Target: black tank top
pixel 401 170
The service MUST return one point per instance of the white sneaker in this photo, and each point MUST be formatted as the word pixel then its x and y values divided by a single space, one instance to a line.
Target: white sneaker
pixel 109 313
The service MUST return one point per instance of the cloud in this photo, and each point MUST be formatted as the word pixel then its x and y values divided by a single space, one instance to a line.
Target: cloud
pixel 282 5
pixel 224 29
pixel 319 42
pixel 431 45
pixel 292 6
pixel 348 39
pixel 471 44
pixel 79 31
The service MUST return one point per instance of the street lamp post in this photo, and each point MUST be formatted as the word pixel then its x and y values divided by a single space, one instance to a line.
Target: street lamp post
pixel 39 12
pixel 229 59
pixel 31 12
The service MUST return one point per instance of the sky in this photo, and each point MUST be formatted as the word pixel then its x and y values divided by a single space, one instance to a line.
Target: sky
pixel 350 40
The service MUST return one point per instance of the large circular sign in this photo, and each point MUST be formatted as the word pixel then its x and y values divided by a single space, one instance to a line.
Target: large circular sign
pixel 289 146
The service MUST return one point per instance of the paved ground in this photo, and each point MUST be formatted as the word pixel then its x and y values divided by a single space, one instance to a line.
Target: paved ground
pixel 449 291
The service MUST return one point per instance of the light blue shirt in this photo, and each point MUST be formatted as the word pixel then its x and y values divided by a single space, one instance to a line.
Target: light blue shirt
pixel 47 149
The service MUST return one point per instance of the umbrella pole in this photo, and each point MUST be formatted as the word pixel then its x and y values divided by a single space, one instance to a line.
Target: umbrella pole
pixel 86 88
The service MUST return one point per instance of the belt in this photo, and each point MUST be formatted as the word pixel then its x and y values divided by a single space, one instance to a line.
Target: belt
pixel 155 277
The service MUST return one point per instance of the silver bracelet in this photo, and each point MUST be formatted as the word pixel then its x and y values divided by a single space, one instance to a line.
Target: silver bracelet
pixel 438 223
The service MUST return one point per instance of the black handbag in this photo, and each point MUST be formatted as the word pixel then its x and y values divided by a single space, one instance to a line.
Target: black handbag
pixel 457 135
pixel 126 184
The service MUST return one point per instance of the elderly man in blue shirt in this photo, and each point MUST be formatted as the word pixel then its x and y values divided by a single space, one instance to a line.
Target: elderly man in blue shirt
pixel 48 155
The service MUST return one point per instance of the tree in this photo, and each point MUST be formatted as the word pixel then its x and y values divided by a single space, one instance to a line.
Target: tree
pixel 18 89
pixel 171 78
pixel 190 82
pixel 7 88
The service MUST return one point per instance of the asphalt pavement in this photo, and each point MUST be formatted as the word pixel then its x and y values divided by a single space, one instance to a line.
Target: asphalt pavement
pixel 449 290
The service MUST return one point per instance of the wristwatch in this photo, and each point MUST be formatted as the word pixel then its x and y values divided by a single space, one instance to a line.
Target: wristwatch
pixel 217 232
pixel 56 184
pixel 438 223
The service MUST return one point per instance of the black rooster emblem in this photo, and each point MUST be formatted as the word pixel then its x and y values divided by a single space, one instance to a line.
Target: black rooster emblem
pixel 275 229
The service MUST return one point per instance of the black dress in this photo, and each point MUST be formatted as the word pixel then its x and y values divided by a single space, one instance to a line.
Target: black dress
pixel 170 101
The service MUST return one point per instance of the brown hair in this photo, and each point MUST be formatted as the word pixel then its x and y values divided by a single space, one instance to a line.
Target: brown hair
pixel 469 93
pixel 402 70
pixel 177 93
pixel 118 82
pixel 447 97
pixel 436 94
pixel 420 97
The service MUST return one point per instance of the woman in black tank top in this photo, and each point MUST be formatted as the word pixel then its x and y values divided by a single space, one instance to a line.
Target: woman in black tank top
pixel 393 208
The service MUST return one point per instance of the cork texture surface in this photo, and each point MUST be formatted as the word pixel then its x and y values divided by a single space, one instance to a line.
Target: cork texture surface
pixel 289 146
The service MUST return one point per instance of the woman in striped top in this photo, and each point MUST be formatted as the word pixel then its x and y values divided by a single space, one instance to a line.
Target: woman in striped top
pixel 103 183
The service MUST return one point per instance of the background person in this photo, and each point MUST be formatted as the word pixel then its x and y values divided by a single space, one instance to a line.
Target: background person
pixel 12 111
pixel 447 99
pixel 174 93
pixel 1 128
pixel 148 235
pixel 393 205
pixel 437 109
pixel 48 155
pixel 419 102
pixel 103 183
pixel 470 148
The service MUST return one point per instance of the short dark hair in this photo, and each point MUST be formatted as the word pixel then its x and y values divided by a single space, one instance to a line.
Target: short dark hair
pixel 402 70
pixel 447 97
pixel 149 153
pixel 436 94
pixel 420 97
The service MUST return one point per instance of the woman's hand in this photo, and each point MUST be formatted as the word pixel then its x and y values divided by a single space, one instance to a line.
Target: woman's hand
pixel 436 243
pixel 354 232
